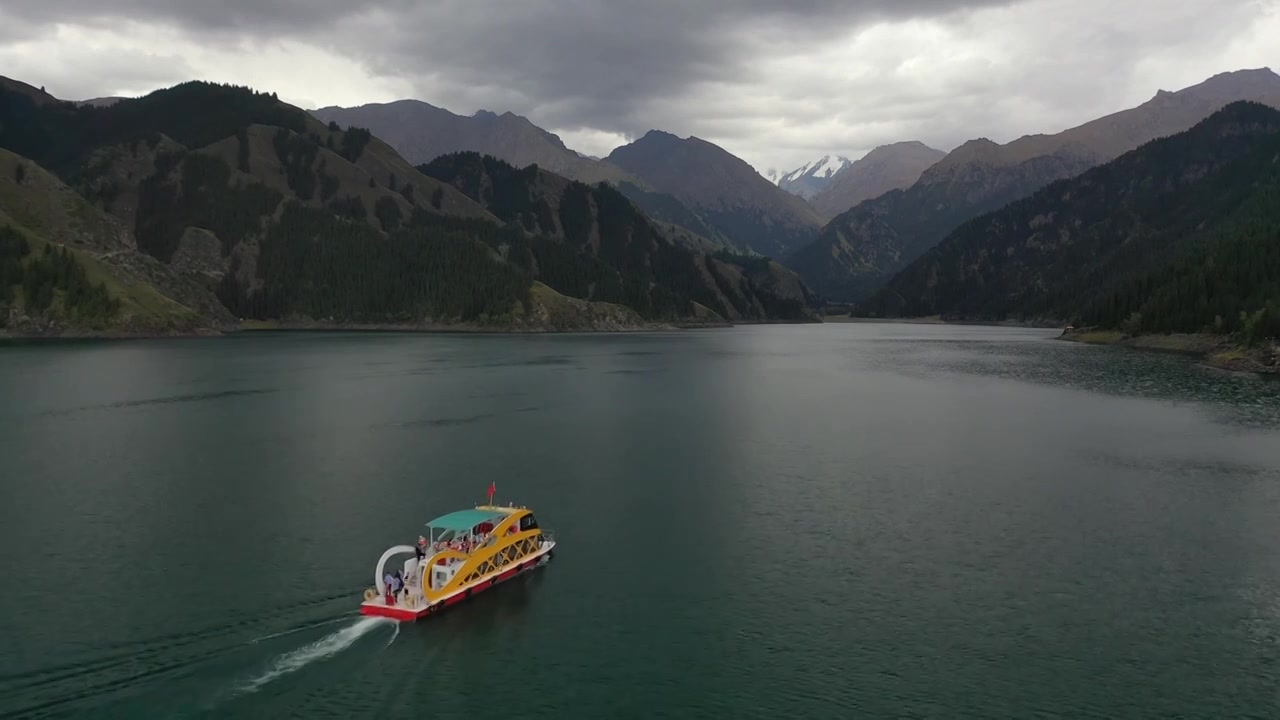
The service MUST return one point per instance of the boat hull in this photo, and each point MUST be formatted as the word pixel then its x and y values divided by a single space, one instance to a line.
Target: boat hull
pixel 378 606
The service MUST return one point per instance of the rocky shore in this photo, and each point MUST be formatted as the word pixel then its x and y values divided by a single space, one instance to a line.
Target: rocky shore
pixel 1214 350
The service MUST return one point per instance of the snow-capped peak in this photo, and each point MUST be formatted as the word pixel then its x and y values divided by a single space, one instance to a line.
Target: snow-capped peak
pixel 808 179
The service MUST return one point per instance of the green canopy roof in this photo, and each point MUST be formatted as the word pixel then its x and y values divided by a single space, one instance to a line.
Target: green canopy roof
pixel 463 519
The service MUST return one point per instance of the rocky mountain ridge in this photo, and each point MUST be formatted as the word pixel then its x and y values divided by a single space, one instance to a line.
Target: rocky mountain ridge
pixel 811 178
pixel 723 189
pixel 888 167
pixel 1181 235
pixel 861 249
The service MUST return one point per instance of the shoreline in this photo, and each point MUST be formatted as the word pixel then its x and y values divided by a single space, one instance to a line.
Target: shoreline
pixel 938 320
pixel 251 327
pixel 1214 351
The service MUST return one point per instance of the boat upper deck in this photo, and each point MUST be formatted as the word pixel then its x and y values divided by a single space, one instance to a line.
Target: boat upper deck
pixel 462 520
pixel 467 530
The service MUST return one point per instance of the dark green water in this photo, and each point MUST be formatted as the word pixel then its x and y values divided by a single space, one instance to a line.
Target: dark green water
pixel 835 521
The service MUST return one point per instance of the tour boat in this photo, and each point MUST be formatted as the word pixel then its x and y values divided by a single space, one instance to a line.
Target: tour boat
pixel 463 553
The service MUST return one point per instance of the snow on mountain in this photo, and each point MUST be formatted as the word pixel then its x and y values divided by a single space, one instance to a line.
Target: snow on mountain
pixel 809 179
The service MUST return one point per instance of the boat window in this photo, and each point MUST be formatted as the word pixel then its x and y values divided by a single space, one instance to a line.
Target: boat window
pixel 528 523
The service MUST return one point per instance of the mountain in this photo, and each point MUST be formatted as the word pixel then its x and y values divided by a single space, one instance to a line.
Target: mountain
pixel 231 193
pixel 593 243
pixel 283 218
pixel 691 227
pixel 68 267
pixel 888 167
pixel 811 178
pixel 422 132
pixel 862 248
pixel 722 189
pixel 1180 235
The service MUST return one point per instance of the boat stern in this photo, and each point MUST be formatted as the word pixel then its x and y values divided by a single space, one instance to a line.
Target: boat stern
pixel 378 607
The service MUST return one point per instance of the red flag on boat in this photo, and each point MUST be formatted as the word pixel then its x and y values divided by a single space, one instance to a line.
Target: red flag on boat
pixel 492 489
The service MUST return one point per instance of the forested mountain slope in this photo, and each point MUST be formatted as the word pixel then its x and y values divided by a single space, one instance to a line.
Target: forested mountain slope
pixel 1180 235
pixel 594 243
pixel 723 190
pixel 66 266
pixel 287 219
pixel 861 249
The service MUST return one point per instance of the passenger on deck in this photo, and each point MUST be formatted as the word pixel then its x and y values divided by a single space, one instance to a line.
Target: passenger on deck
pixel 421 548
pixel 387 581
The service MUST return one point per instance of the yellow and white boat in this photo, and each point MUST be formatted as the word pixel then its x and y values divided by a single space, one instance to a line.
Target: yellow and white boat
pixel 463 553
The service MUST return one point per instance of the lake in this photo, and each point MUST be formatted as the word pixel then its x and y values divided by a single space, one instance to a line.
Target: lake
pixel 804 521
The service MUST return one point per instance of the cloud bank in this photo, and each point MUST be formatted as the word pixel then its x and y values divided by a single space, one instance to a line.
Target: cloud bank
pixel 776 83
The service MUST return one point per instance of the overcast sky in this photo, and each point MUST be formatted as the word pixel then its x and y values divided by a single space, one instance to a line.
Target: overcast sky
pixel 776 82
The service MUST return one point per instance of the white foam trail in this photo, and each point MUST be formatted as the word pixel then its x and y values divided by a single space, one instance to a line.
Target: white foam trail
pixel 327 646
pixel 394 635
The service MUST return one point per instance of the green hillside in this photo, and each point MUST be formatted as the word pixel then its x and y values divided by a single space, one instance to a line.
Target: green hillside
pixel 68 267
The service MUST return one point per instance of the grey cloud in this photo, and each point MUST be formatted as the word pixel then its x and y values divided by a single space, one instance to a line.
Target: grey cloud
pixel 12 28
pixel 757 76
pixel 585 62
pixel 1040 67
pixel 248 16
pixel 76 72
pixel 574 62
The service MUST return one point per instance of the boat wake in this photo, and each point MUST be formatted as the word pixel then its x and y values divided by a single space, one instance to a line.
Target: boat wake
pixel 325 647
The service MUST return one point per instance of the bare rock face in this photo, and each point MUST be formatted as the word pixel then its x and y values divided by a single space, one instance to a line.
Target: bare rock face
pixel 194 292
pixel 157 300
pixel 199 255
